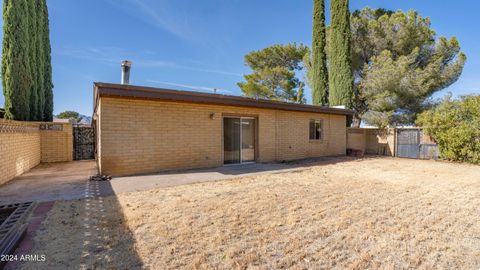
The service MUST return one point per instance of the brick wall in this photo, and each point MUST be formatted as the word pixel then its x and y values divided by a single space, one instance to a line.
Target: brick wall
pixel 57 145
pixel 19 148
pixel 143 136
pixel 23 146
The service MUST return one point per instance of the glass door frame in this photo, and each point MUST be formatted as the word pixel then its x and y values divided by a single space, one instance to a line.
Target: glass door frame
pixel 240 117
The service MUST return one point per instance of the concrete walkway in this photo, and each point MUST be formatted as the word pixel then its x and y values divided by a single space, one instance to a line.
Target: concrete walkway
pixel 49 182
pixel 69 180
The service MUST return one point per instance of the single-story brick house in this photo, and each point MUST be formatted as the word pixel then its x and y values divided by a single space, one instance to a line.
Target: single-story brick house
pixel 144 130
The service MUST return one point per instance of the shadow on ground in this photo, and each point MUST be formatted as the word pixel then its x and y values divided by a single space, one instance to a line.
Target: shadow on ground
pixel 88 233
pixel 101 249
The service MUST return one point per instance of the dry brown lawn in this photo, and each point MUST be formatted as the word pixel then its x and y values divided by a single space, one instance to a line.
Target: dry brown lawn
pixel 362 214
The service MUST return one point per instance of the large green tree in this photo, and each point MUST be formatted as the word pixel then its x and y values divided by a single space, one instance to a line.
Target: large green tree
pixel 16 77
pixel 398 63
pixel 319 73
pixel 46 63
pixel 273 75
pixel 340 75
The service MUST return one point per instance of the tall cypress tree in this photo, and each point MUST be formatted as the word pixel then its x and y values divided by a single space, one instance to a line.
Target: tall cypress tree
pixel 340 76
pixel 39 53
pixel 319 56
pixel 47 63
pixel 33 34
pixel 16 77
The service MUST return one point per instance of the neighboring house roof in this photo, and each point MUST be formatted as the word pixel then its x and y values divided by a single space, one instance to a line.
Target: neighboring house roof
pixel 142 92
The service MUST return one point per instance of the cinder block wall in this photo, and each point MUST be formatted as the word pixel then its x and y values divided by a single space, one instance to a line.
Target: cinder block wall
pixel 144 136
pixel 372 140
pixel 380 141
pixel 57 145
pixel 19 148
pixel 356 139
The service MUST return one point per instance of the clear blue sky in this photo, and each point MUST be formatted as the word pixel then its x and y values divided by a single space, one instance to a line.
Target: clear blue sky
pixel 199 45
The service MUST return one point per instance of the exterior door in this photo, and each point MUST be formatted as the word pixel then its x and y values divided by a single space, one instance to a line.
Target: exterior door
pixel 238 140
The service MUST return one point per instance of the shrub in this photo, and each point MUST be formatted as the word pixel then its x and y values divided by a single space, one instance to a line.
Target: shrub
pixel 455 125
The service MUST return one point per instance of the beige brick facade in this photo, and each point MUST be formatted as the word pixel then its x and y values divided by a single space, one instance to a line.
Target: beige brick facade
pixel 23 146
pixel 142 136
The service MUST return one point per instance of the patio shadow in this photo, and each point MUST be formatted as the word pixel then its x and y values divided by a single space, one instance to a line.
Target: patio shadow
pixel 89 233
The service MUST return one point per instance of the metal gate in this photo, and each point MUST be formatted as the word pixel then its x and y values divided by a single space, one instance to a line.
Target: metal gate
pixel 83 143
pixel 411 143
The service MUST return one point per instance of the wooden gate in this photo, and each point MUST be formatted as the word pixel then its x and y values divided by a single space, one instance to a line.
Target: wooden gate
pixel 83 143
pixel 412 143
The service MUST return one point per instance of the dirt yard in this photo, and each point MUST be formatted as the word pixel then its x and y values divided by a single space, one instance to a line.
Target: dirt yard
pixel 372 213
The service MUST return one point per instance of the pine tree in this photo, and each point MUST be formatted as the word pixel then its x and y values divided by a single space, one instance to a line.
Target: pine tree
pixel 340 76
pixel 47 63
pixel 319 57
pixel 16 77
pixel 273 75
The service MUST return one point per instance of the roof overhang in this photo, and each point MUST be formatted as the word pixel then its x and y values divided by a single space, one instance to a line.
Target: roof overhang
pixel 142 92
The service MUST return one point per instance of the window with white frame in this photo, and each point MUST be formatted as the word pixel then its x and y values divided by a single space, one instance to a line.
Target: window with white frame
pixel 315 130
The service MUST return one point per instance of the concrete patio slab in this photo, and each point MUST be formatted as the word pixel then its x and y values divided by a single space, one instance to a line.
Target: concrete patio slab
pixel 175 178
pixel 49 182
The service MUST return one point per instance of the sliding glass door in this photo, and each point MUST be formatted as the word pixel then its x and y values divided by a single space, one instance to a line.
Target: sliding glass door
pixel 248 139
pixel 231 140
pixel 238 140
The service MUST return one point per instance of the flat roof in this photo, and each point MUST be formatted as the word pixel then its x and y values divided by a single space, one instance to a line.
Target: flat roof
pixel 142 92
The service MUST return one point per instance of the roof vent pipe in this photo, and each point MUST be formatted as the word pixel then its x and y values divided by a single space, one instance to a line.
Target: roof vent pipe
pixel 126 71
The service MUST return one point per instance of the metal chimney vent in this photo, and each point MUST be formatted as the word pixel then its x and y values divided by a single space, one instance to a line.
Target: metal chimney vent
pixel 126 71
